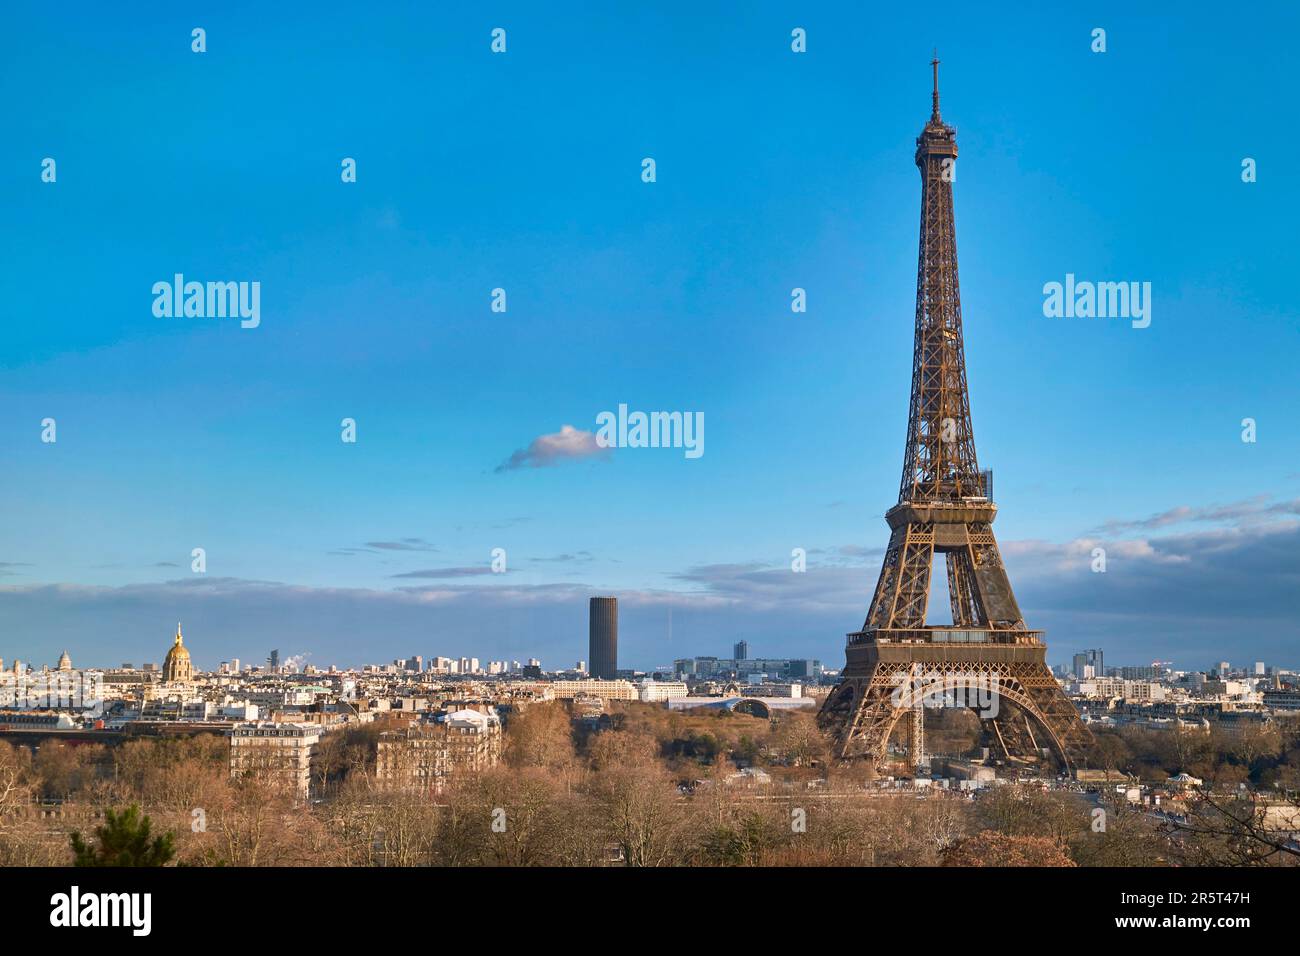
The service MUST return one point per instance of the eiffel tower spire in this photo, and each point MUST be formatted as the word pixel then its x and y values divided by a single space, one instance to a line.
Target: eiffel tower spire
pixel 944 508
pixel 939 460
pixel 934 112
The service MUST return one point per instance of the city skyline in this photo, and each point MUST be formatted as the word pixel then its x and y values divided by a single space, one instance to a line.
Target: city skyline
pixel 458 656
pixel 474 428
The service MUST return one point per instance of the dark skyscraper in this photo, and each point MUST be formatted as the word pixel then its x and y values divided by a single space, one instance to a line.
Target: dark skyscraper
pixel 603 635
pixel 742 650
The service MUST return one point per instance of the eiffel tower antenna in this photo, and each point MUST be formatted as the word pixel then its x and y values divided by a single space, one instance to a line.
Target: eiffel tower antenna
pixel 934 64
pixel 945 507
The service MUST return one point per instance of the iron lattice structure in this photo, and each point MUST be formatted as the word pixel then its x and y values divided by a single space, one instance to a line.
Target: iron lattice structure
pixel 945 507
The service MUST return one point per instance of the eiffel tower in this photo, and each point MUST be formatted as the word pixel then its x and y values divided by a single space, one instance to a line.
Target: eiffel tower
pixel 945 506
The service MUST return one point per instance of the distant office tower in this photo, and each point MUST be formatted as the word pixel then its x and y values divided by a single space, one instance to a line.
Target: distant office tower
pixel 1090 658
pixel 741 650
pixel 273 662
pixel 1150 672
pixel 1259 668
pixel 603 637
pixel 1223 668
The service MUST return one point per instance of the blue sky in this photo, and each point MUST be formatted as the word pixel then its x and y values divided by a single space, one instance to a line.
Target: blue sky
pixel 522 171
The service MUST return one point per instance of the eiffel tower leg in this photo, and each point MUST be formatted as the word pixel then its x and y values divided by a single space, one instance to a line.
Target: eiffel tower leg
pixel 861 712
pixel 963 593
pixel 1054 711
pixel 1010 732
pixel 903 590
pixel 916 736
pixel 1033 712
pixel 995 734
pixel 1029 729
pixel 993 597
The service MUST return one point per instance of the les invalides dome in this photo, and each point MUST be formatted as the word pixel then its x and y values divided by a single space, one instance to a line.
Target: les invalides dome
pixel 176 665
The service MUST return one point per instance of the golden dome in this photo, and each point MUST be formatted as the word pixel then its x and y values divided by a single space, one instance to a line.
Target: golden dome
pixel 176 666
pixel 178 651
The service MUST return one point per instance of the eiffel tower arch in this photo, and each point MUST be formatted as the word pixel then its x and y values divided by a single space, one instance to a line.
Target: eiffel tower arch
pixel 945 506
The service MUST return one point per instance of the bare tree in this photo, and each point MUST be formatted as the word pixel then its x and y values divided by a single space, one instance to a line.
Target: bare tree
pixel 1240 828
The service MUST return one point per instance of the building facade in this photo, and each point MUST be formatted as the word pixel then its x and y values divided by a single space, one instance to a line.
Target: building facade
pixel 424 756
pixel 652 691
pixel 278 752
pixel 608 689
pixel 708 668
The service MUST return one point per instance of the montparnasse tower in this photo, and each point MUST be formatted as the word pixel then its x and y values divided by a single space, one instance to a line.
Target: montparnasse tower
pixel 177 667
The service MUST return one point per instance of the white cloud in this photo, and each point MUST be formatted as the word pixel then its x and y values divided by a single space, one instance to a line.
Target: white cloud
pixel 568 444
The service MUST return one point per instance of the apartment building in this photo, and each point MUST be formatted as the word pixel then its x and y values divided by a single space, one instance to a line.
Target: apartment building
pixel 660 690
pixel 608 689
pixel 281 752
pixel 424 756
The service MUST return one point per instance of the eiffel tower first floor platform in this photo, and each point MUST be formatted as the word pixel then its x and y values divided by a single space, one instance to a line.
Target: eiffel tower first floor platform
pixel 889 674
